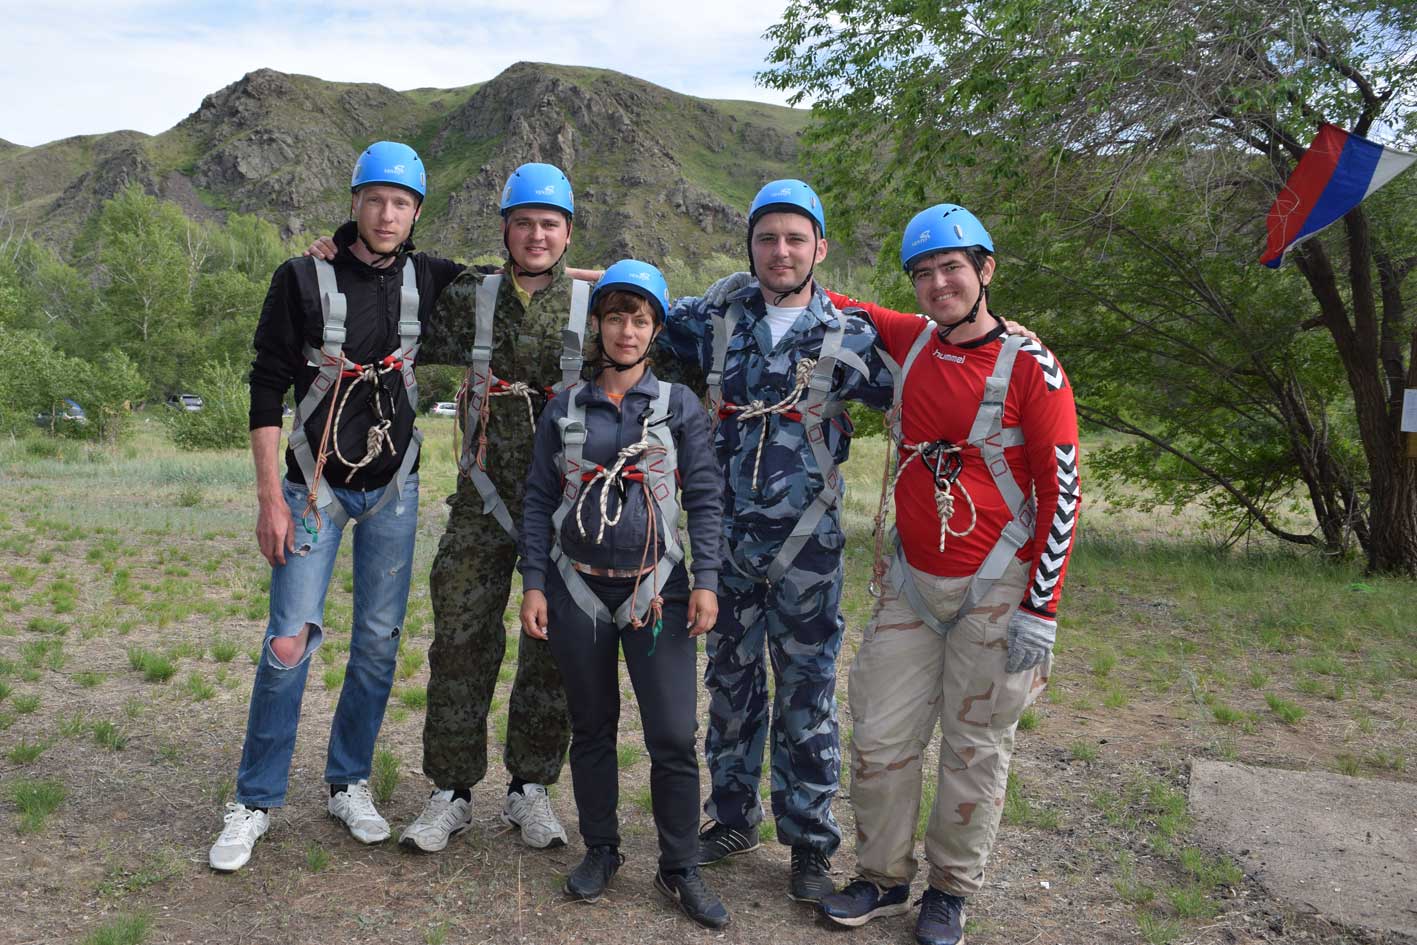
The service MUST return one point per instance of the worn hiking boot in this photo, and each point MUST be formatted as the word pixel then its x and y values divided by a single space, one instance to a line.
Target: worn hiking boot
pixel 444 816
pixel 588 880
pixel 530 809
pixel 941 920
pixel 862 900
pixel 810 881
pixel 719 841
pixel 244 826
pixel 691 894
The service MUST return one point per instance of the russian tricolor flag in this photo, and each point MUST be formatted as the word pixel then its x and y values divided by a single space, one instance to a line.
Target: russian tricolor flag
pixel 1337 172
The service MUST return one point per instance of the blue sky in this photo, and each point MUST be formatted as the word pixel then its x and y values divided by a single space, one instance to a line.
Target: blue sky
pixel 73 68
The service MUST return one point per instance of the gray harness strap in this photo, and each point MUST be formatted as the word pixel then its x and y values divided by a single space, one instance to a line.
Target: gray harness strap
pixel 658 469
pixel 481 378
pixel 331 360
pixel 990 437
pixel 818 408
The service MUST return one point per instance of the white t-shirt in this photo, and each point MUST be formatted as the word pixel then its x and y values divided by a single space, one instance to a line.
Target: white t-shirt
pixel 780 319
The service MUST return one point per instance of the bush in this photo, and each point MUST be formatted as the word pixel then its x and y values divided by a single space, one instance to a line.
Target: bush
pixel 224 420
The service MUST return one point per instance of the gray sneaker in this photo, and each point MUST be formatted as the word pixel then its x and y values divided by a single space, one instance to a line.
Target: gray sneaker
pixel 530 809
pixel 354 807
pixel 244 827
pixel 443 817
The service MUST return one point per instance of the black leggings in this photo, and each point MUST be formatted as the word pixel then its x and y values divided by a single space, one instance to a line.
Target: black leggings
pixel 666 688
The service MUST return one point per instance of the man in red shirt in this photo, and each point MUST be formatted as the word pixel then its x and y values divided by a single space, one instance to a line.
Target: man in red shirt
pixel 986 507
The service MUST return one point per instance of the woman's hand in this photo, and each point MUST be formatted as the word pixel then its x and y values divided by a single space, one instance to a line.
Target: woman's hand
pixel 703 612
pixel 534 614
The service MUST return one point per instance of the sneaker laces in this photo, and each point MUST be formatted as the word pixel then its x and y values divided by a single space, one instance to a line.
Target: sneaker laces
pixel 939 906
pixel 805 858
pixel 360 802
pixel 536 806
pixel 439 811
pixel 240 824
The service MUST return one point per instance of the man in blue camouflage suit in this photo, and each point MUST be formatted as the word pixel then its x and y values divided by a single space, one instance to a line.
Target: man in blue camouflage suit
pixel 781 362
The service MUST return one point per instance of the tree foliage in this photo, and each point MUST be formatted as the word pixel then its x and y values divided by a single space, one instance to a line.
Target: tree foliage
pixel 1124 156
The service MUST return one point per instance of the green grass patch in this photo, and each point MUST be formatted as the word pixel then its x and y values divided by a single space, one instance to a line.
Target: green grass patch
pixel 25 704
pixel 1081 750
pixel 198 687
pixel 316 857
pixel 124 930
pixel 88 679
pixel 384 778
pixel 1288 712
pixel 36 801
pixel 223 649
pixel 414 697
pixel 109 735
pixel 26 752
pixel 333 676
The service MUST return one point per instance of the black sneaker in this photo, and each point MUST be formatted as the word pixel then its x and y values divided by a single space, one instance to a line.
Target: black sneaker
pixel 862 900
pixel 589 879
pixel 810 881
pixel 719 841
pixel 941 919
pixel 692 895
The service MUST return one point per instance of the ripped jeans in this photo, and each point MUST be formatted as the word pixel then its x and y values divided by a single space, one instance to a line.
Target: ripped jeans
pixel 383 562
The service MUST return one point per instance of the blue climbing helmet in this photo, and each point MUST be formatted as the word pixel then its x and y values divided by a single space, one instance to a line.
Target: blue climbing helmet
pixel 390 162
pixel 941 228
pixel 538 185
pixel 641 278
pixel 793 196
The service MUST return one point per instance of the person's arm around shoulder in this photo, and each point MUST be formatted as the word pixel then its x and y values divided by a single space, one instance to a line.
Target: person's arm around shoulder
pixel 701 484
pixel 543 495
pixel 451 327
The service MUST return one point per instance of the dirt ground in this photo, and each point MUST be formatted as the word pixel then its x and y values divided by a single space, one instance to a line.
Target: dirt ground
pixel 1086 859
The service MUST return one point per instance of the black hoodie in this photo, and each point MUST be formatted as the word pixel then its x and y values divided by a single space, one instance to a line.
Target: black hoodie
pixel 291 318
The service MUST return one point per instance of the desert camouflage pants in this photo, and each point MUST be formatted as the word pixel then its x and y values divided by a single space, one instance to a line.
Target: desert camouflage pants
pixel 798 621
pixel 907 677
pixel 470 585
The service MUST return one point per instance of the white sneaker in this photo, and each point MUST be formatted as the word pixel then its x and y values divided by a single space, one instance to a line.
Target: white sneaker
pixel 355 806
pixel 444 816
pixel 531 811
pixel 244 827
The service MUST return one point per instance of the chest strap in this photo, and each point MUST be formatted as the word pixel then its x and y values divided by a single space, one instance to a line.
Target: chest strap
pixel 653 463
pixel 334 367
pixel 481 385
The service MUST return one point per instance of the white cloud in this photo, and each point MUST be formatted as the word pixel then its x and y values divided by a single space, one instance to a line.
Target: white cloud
pixel 142 64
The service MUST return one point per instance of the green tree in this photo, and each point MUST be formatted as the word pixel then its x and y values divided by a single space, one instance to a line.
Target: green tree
pixel 1125 155
pixel 150 258
pixel 223 421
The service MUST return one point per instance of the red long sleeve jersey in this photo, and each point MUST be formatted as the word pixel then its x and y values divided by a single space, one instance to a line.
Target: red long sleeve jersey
pixel 939 402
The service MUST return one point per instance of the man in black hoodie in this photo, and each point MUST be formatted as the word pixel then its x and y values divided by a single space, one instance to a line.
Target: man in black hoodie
pixel 345 335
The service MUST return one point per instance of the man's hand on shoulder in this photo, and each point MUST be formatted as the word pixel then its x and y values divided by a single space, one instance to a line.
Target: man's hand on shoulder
pixel 323 248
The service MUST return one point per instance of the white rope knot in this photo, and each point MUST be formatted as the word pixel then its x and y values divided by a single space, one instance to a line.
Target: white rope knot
pixel 613 475
pixel 519 389
pixel 378 436
pixel 759 409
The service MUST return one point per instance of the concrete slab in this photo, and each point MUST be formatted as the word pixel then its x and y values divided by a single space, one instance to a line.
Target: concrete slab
pixel 1343 847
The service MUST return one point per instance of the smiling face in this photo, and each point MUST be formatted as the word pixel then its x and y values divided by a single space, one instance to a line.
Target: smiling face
pixel 627 329
pixel 385 216
pixel 947 285
pixel 536 237
pixel 785 247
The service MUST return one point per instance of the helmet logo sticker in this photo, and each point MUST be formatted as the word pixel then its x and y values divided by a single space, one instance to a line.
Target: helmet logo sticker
pixel 396 169
pixel 548 190
pixel 923 237
pixel 784 192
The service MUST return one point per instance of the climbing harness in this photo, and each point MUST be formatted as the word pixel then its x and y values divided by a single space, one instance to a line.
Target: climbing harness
pixel 481 385
pixel 811 402
pixel 652 462
pixel 945 462
pixel 334 369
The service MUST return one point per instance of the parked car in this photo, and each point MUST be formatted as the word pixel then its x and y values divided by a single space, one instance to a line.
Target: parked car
pixel 189 402
pixel 69 413
pixel 444 408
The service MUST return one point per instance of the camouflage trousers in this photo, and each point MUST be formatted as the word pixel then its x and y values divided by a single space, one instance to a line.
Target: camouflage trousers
pixel 470 585
pixel 798 622
pixel 907 677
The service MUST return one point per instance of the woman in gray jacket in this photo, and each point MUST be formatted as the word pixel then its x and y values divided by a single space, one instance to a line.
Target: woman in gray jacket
pixel 615 460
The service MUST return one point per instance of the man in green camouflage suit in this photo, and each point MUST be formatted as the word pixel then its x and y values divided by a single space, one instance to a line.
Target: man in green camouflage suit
pixel 471 579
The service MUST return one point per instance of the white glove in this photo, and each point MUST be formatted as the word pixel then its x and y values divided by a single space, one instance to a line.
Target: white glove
pixel 718 293
pixel 1030 640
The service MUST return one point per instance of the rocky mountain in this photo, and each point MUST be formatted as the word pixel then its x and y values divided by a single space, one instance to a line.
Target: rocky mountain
pixel 656 173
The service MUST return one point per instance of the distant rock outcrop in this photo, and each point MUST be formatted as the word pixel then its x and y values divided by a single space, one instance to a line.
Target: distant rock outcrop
pixel 656 173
